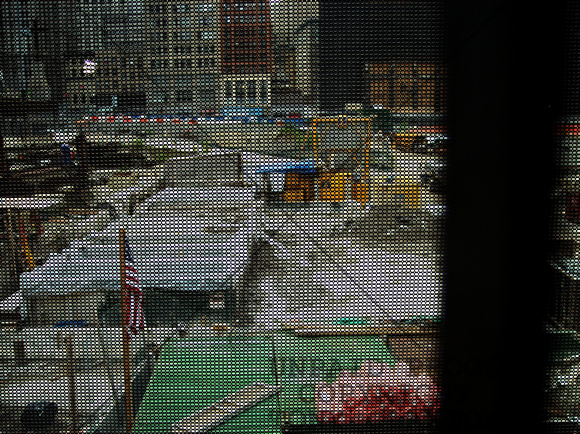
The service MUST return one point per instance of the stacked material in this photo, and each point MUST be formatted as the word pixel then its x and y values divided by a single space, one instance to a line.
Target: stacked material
pixel 375 393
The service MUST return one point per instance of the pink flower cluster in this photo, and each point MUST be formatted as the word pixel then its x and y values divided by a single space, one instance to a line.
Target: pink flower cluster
pixel 377 392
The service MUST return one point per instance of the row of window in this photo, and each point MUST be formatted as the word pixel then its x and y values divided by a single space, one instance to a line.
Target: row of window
pixel 204 62
pixel 107 62
pixel 183 96
pixel 228 19
pixel 183 50
pixel 183 80
pixel 182 8
pixel 236 33
pixel 245 56
pixel 246 92
pixel 185 21
pixel 104 72
pixel 201 35
pixel 245 69
pixel 228 5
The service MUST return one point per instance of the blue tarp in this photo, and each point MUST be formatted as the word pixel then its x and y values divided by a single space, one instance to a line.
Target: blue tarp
pixel 304 167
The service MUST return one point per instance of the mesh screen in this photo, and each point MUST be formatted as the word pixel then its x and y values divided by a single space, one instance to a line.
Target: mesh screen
pixel 230 216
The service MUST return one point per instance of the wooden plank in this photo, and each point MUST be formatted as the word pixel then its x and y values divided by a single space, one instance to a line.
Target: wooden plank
pixel 215 414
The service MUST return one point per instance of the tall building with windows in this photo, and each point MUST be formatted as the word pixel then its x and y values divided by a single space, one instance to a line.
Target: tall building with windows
pixel 246 53
pixel 33 50
pixel 182 55
pixel 106 72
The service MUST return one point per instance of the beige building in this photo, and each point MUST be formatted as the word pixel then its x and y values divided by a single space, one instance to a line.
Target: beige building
pixel 182 55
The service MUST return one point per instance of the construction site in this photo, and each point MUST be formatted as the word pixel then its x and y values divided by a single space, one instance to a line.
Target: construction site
pixel 307 287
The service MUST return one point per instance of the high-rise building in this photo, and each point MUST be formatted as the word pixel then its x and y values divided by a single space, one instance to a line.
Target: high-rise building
pixel 33 52
pixel 106 71
pixel 182 39
pixel 246 53
pixel 305 41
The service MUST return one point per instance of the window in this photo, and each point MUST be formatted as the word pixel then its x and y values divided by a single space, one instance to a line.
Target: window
pixel 205 49
pixel 205 21
pixel 206 95
pixel 181 8
pixel 182 63
pixel 159 64
pixel 157 9
pixel 206 80
pixel 240 92
pixel 158 97
pixel 263 92
pixel 184 36
pixel 158 22
pixel 184 95
pixel 205 63
pixel 205 35
pixel 182 80
pixel 159 36
pixel 182 21
pixel 161 50
pixel 251 88
pixel 207 7
pixel 229 92
pixel 182 50
pixel 160 81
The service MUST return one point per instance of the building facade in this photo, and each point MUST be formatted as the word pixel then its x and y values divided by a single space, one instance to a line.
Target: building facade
pixel 305 39
pixel 246 61
pixel 33 51
pixel 106 71
pixel 385 53
pixel 408 87
pixel 182 55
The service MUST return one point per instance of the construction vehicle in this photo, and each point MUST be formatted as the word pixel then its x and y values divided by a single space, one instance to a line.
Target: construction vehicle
pixel 339 170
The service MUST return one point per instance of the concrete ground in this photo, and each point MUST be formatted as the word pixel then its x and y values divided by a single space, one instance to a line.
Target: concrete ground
pixel 387 267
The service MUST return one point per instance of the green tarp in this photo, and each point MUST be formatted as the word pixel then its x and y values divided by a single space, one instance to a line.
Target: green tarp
pixel 193 374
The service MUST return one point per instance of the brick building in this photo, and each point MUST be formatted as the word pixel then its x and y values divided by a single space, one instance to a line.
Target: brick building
pixel 383 52
pixel 246 53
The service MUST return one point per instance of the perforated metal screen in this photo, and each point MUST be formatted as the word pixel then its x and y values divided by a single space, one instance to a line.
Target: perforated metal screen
pixel 200 197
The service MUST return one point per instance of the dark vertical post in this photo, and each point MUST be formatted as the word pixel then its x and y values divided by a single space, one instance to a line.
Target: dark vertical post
pixel 71 385
pixel 19 353
pixel 126 347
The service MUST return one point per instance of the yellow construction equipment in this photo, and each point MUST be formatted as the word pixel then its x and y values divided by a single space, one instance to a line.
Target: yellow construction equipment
pixel 341 151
